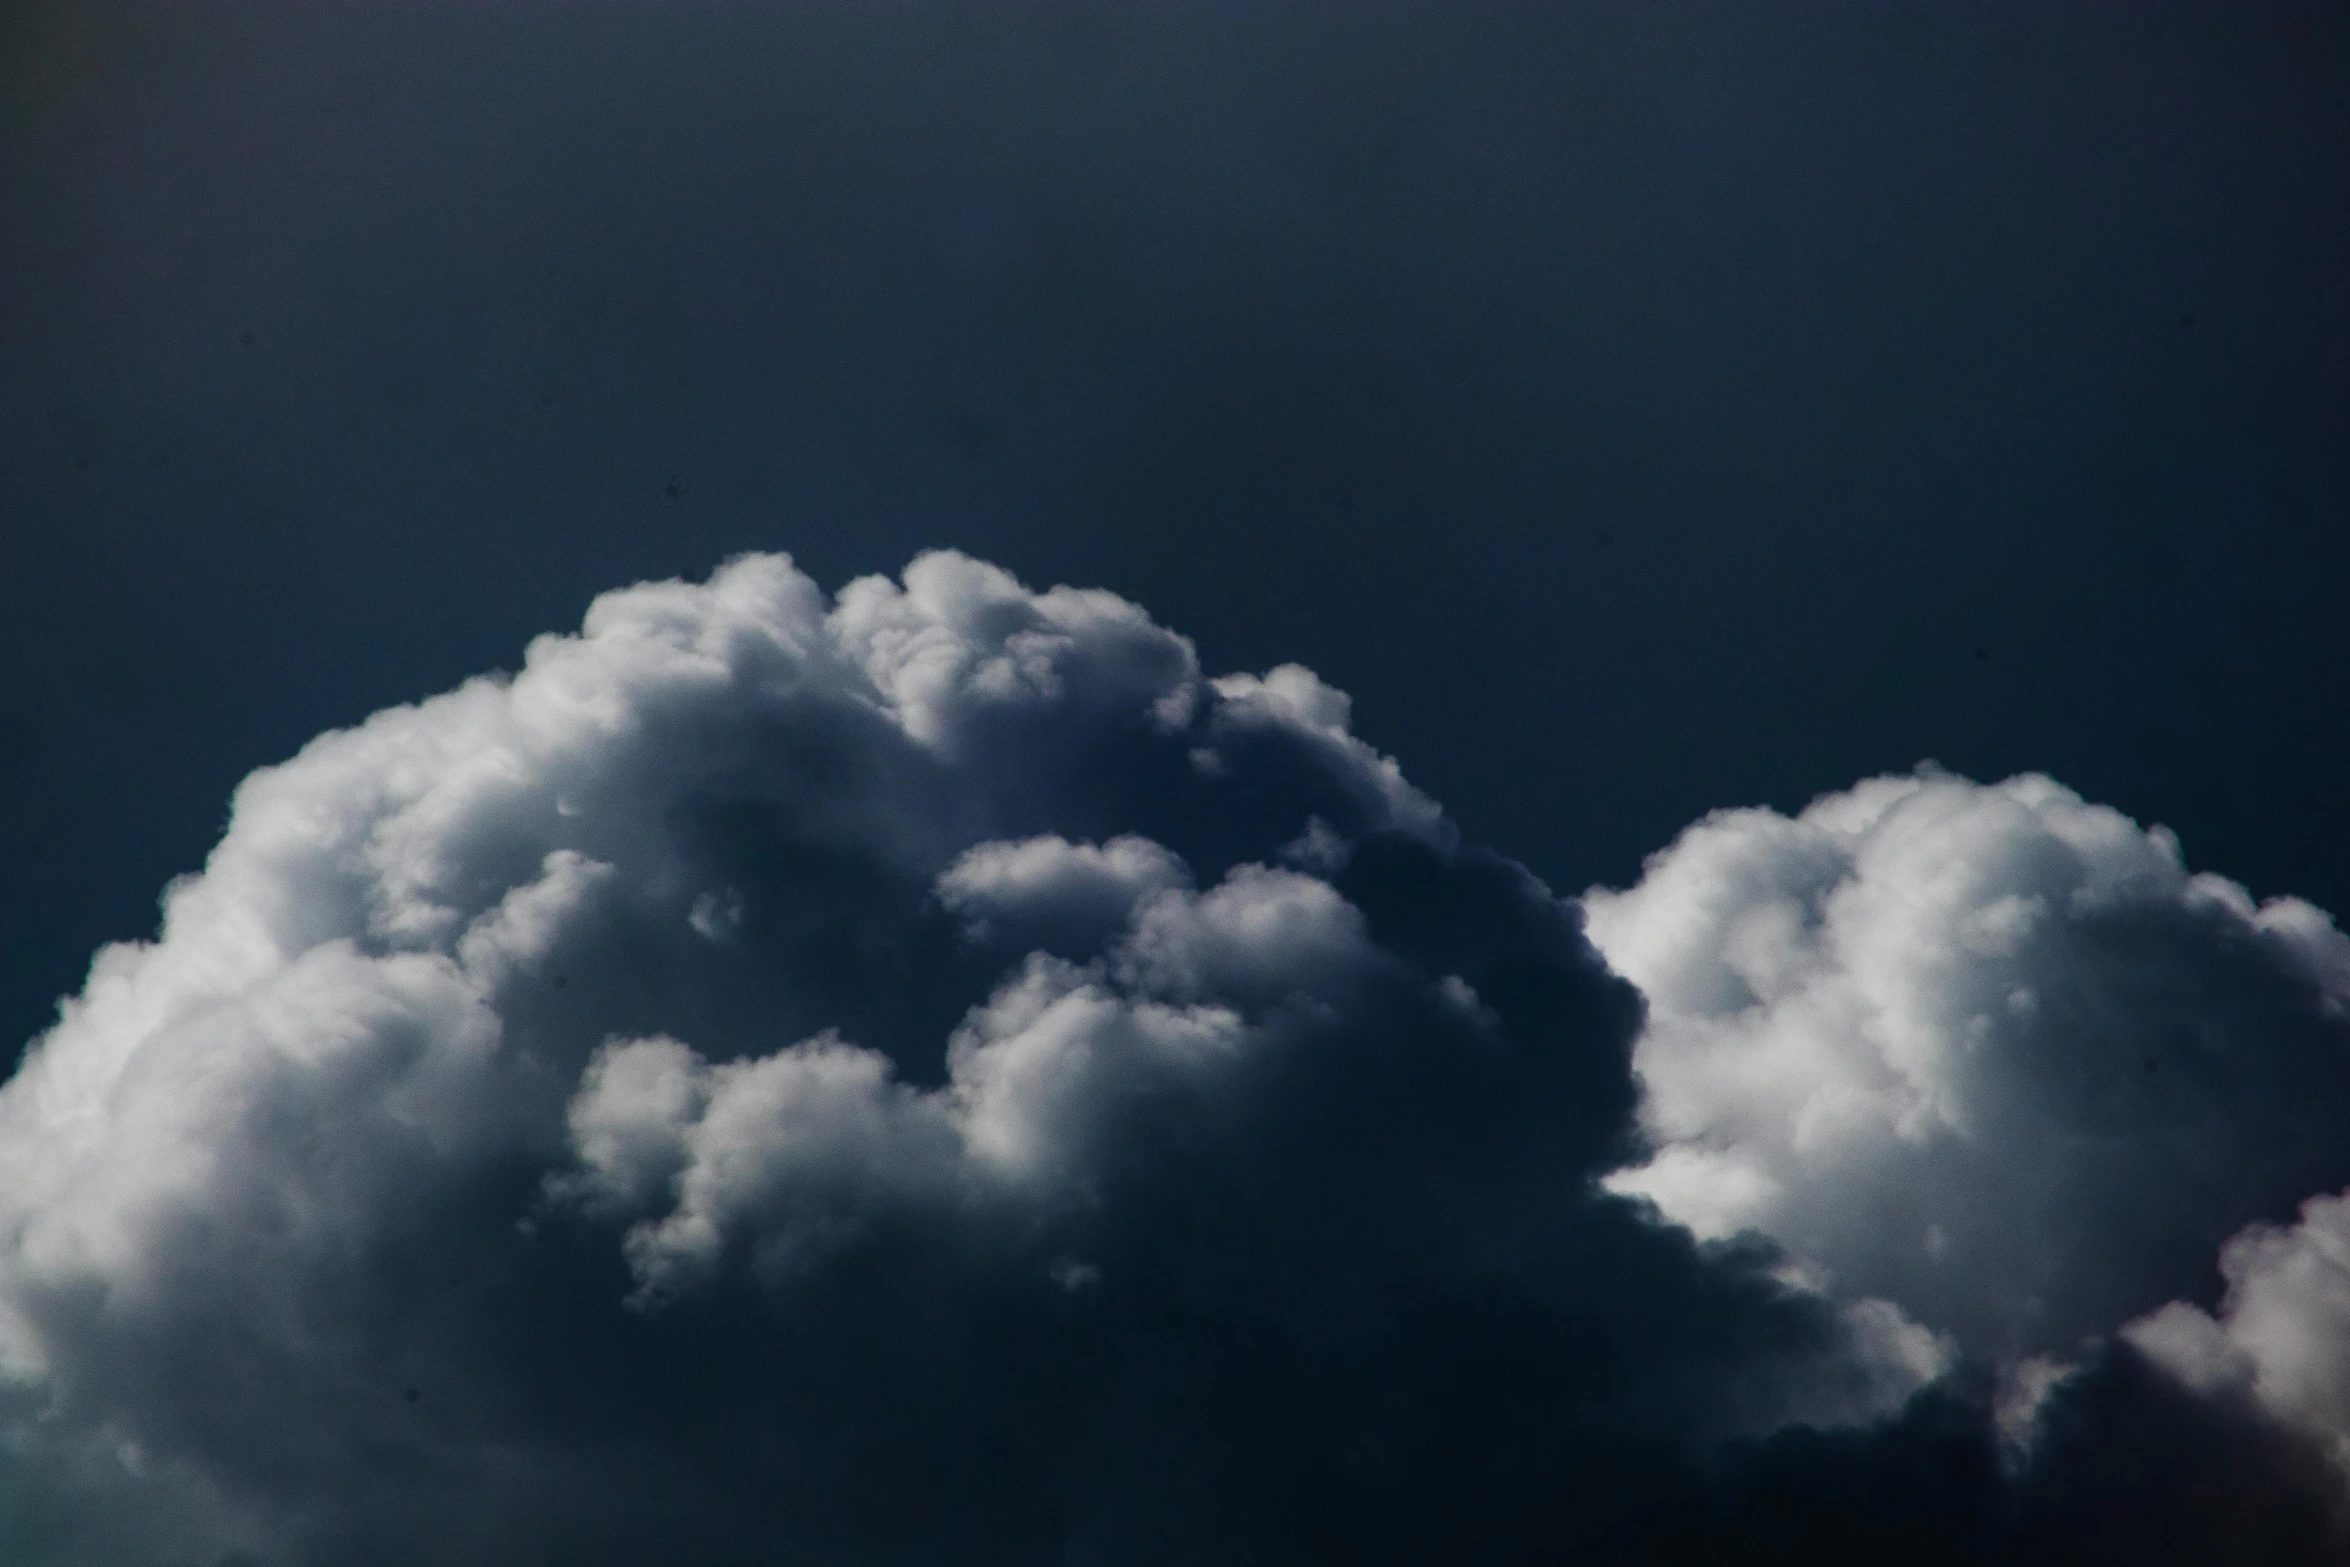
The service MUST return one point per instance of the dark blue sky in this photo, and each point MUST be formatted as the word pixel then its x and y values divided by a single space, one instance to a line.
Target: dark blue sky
pixel 930 1079
pixel 1640 409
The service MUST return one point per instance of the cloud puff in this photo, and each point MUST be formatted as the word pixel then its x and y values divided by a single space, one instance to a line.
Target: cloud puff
pixel 1986 1052
pixel 914 1076
pixel 1057 892
pixel 2281 1337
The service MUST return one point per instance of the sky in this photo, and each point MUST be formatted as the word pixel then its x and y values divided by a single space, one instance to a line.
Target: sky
pixel 1638 412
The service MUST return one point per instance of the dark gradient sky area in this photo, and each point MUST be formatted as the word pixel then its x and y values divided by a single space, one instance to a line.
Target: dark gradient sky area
pixel 1640 408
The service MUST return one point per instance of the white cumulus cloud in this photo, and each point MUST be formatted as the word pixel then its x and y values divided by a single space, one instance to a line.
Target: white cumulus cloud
pixel 1988 1053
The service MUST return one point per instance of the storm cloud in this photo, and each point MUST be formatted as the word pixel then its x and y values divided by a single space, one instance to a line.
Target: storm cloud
pixel 928 1074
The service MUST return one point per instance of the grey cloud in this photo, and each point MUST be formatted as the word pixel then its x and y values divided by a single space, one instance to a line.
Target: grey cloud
pixel 627 1110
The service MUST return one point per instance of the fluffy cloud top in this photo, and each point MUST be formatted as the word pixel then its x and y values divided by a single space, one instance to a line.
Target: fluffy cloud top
pixel 1987 1052
pixel 927 1075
